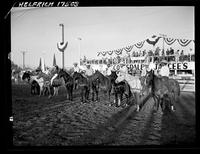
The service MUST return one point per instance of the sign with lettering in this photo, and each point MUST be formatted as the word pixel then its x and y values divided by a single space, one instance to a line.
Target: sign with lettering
pixel 172 66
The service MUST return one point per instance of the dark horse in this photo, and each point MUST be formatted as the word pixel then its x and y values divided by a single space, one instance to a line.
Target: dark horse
pixel 86 84
pixel 68 83
pixel 162 88
pixel 106 83
pixel 35 88
pixel 120 89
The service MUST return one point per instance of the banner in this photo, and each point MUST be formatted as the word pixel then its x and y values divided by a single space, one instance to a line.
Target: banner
pixel 110 52
pixel 172 66
pixel 169 41
pixel 103 53
pixel 184 42
pixel 118 52
pixel 128 48
pixel 140 44
pixel 153 40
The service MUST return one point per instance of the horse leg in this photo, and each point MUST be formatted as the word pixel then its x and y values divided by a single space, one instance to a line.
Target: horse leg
pixel 85 92
pixel 40 91
pixel 116 99
pixel 155 100
pixel 54 90
pixel 49 91
pixel 109 95
pixel 136 95
pixel 71 93
pixel 97 95
pixel 92 94
pixel 172 100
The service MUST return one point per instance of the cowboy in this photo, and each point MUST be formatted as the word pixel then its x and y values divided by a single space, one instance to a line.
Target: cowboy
pixel 55 73
pixel 123 69
pixel 108 69
pixel 144 70
pixel 38 71
pixel 164 71
pixel 89 71
pixel 76 68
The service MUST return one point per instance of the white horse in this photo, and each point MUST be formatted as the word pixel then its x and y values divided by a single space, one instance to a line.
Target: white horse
pixel 39 81
pixel 135 85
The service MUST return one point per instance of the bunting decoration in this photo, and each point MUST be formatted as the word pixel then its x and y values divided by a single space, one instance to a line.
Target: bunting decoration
pixel 98 53
pixel 184 42
pixel 110 52
pixel 140 44
pixel 103 53
pixel 118 52
pixel 153 40
pixel 128 48
pixel 169 41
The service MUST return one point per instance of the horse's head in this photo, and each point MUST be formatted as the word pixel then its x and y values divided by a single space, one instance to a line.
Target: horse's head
pixel 114 75
pixel 98 75
pixel 120 78
pixel 61 73
pixel 149 77
pixel 76 75
pixel 26 76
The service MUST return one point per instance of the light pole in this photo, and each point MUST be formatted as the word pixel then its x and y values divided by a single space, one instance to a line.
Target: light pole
pixel 23 52
pixel 63 63
pixel 62 44
pixel 79 39
pixel 163 36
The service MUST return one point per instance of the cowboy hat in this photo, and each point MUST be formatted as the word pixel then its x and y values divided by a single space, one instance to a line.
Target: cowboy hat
pixel 164 61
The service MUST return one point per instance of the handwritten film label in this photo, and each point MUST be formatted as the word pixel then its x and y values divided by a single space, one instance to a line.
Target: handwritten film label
pixel 48 4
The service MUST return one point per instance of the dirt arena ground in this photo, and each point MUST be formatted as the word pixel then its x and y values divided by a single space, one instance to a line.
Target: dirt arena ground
pixel 39 121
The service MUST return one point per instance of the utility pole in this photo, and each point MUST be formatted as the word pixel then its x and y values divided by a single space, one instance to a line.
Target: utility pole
pixel 79 49
pixel 23 52
pixel 62 43
pixel 63 63
pixel 163 36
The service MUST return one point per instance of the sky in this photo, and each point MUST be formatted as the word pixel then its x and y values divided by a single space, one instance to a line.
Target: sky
pixel 37 30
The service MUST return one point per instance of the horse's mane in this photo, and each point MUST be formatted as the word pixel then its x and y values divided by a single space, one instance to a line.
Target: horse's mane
pixel 81 75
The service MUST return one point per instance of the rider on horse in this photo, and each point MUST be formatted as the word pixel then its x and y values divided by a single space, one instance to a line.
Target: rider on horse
pixel 76 68
pixel 164 71
pixel 55 73
pixel 89 71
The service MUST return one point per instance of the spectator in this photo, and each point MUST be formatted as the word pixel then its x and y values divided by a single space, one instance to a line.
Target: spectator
pixel 76 68
pixel 182 53
pixel 164 71
pixel 89 71
pixel 108 69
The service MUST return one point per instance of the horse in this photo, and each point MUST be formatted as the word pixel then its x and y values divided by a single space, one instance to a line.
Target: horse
pixel 162 88
pixel 68 83
pixel 135 86
pixel 82 84
pixel 120 89
pixel 36 85
pixel 47 85
pixel 105 82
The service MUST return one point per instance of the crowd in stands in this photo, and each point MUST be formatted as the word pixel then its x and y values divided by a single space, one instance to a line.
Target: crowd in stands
pixel 170 55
